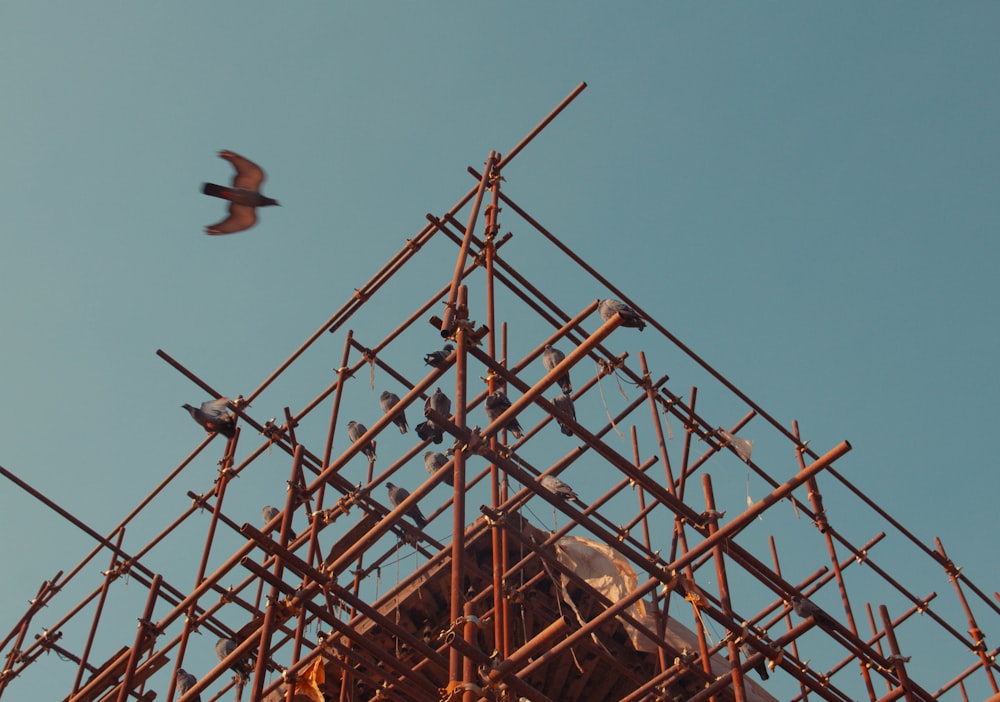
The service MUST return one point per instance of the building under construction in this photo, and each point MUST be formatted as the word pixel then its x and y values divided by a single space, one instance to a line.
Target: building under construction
pixel 582 517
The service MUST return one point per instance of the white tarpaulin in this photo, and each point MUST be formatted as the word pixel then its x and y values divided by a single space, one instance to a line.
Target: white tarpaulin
pixel 608 573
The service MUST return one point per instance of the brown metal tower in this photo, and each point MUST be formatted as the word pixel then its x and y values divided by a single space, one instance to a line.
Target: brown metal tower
pixel 640 588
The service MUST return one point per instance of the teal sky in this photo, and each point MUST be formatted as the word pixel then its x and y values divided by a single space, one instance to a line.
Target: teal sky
pixel 806 194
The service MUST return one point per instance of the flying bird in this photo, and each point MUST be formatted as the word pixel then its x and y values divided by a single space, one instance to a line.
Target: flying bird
pixel 552 357
pixel 630 318
pixel 560 488
pixel 214 417
pixel 242 668
pixel 388 400
pixel 185 681
pixel 496 404
pixel 433 461
pixel 355 430
pixel 437 358
pixel 244 195
pixel 396 497
pixel 269 513
pixel 564 403
pixel 760 668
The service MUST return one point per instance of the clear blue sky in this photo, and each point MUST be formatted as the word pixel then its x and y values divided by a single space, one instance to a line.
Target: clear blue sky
pixel 804 193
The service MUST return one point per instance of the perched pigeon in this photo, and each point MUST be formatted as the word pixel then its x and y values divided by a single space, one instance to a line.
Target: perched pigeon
pixel 552 357
pixel 564 403
pixel 438 402
pixel 396 497
pixel 388 400
pixel 429 431
pixel 433 461
pixel 496 404
pixel 560 488
pixel 437 358
pixel 760 668
pixel 185 681
pixel 630 318
pixel 244 195
pixel 242 668
pixel 805 609
pixel 355 430
pixel 213 416
pixel 269 513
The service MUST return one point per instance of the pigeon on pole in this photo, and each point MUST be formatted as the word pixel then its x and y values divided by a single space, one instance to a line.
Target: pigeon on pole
pixel 355 430
pixel 564 403
pixel 388 400
pixel 630 318
pixel 214 417
pixel 223 647
pixel 243 195
pixel 396 497
pixel 761 668
pixel 185 681
pixel 552 357
pixel 430 430
pixel 433 461
pixel 437 358
pixel 805 609
pixel 551 482
pixel 496 404
pixel 269 513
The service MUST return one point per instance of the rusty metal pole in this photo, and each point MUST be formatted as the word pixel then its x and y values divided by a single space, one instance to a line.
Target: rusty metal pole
pixel 816 500
pixel 698 550
pixel 145 624
pixel 272 601
pixel 448 318
pixel 102 598
pixel 469 677
pixel 978 637
pixel 461 330
pixel 895 658
pixel 21 630
pixel 720 575
pixel 498 535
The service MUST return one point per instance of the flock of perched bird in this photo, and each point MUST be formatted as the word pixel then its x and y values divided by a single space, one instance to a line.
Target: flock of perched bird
pixel 214 415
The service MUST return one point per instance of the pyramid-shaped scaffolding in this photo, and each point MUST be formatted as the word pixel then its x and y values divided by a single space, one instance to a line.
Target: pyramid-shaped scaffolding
pixel 638 586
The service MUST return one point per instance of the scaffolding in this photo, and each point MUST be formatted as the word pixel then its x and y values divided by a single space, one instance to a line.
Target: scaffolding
pixel 646 590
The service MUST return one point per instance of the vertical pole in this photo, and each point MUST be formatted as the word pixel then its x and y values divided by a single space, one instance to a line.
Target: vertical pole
pixel 661 654
pixel 469 677
pixel 272 599
pixel 895 658
pixel 448 318
pixel 788 617
pixel 974 631
pixel 720 573
pixel 140 638
pixel 314 554
pixel 102 598
pixel 498 536
pixel 816 500
pixel 455 666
